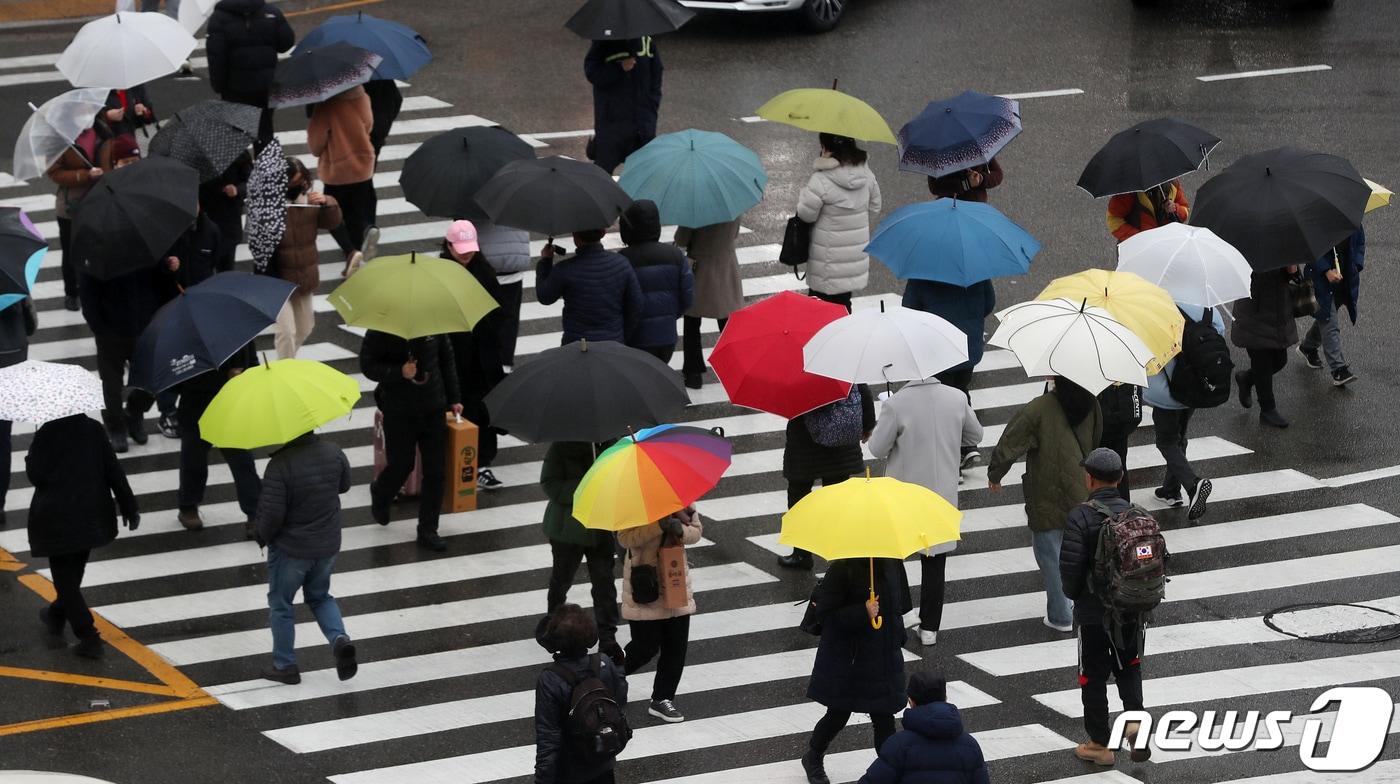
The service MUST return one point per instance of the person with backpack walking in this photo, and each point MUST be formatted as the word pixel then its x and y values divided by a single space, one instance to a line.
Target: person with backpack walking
pixel 838 200
pixel 1198 377
pixel 933 747
pixel 1054 433
pixel 1336 281
pixel 1132 213
pixel 1121 405
pixel 719 289
pixel 824 444
pixel 663 272
pixel 1103 536
pixel 1265 328
pixel 580 724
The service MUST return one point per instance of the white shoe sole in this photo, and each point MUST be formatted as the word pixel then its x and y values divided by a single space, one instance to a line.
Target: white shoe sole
pixel 1198 501
pixel 668 719
pixel 1061 629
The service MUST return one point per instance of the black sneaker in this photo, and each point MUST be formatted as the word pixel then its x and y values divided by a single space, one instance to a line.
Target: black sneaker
pixel 814 766
pixel 136 428
pixel 1273 419
pixel 1310 356
pixel 1196 507
pixel 70 302
pixel 290 676
pixel 90 648
pixel 169 426
pixel 970 458
pixel 190 519
pixel 345 664
pixel 52 624
pixel 431 541
pixel 1170 498
pixel 486 480
pixel 379 511
pixel 694 381
pixel 800 560
pixel 1342 376
pixel 118 438
pixel 1245 388
pixel 666 711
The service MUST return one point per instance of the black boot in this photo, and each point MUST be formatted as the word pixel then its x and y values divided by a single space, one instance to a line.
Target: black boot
pixel 53 624
pixel 136 428
pixel 1244 382
pixel 815 768
pixel 90 647
pixel 799 560
pixel 117 435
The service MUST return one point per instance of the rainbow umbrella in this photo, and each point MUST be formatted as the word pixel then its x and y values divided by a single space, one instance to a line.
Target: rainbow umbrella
pixel 647 476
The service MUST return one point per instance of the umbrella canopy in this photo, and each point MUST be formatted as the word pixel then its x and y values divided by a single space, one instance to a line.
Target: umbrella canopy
pixel 1283 206
pixel 133 215
pixel 586 391
pixel 123 50
pixel 276 402
pixel 1083 343
pixel 412 297
pixel 759 355
pixel 205 325
pixel 870 518
pixel 208 136
pixel 22 250
pixel 442 176
pixel 619 20
pixel 39 392
pixel 951 241
pixel 1143 307
pixel 959 133
pixel 1146 155
pixel 266 205
pixel 403 51
pixel 828 111
pixel 53 128
pixel 194 13
pixel 1190 262
pixel 553 196
pixel 314 75
pixel 878 346
pixel 645 477
pixel 1380 196
pixel 696 178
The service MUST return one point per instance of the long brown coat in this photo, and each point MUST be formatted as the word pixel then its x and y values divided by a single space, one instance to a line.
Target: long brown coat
pixel 298 261
pixel 718 288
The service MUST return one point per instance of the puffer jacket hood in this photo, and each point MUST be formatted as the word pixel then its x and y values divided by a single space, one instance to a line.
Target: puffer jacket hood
pixel 848 178
pixel 641 223
pixel 934 720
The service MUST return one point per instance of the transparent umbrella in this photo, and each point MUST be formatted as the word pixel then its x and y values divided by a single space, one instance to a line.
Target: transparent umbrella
pixel 53 128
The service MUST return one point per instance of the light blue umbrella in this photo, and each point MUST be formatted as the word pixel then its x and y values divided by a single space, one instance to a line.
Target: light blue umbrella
pixel 31 274
pixel 957 242
pixel 696 178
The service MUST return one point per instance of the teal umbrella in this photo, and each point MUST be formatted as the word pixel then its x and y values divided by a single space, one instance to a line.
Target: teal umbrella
pixel 950 241
pixel 696 178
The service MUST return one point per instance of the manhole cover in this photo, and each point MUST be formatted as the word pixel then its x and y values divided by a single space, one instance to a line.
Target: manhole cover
pixel 1344 623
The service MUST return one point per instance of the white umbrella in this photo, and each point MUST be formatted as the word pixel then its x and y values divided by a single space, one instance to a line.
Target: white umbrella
pixel 53 127
pixel 194 13
pixel 123 50
pixel 875 346
pixel 1191 262
pixel 39 392
pixel 1058 337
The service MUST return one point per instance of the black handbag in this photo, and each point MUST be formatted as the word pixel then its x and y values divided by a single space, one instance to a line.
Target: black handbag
pixel 797 242
pixel 812 618
pixel 1301 294
pixel 646 583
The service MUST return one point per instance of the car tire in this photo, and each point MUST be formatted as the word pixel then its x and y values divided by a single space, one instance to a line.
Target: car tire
pixel 820 16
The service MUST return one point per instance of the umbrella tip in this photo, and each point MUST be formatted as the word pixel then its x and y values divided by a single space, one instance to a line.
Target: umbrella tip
pixel 867 473
pixel 947 110
pixel 882 306
pixel 583 345
pixel 1268 172
pixel 835 82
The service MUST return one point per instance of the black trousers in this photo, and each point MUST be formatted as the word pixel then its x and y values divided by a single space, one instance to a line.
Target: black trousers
pixel 844 300
pixel 830 725
pixel 663 353
pixel 194 467
pixel 1169 427
pixel 425 432
pixel 70 605
pixel 474 409
pixel 69 264
pixel 113 354
pixel 669 637
pixel 1098 659
pixel 4 462
pixel 935 568
pixel 1263 364
pixel 960 380
pixel 508 319
pixel 358 208
pixel 1117 440
pixel 690 344
pixel 600 557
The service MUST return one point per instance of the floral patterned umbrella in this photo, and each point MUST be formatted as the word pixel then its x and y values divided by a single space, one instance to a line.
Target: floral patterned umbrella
pixel 40 392
pixel 266 205
pixel 314 75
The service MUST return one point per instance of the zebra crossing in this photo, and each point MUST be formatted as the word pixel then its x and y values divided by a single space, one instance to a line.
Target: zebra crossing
pixel 444 691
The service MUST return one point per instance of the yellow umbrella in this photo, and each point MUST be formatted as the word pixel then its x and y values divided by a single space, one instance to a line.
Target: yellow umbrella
pixel 870 518
pixel 1145 309
pixel 1380 195
pixel 828 111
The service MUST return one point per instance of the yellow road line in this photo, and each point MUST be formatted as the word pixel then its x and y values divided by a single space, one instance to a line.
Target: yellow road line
pixel 336 7
pixel 106 715
pixel 11 566
pixel 87 680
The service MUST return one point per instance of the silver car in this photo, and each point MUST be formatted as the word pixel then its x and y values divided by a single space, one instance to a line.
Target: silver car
pixel 816 15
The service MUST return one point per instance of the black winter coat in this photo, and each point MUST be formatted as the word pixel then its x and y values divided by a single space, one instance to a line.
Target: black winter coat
pixel 804 460
pixel 858 668
pixel 75 474
pixel 17 323
pixel 602 299
pixel 432 391
pixel 198 251
pixel 197 393
pixel 244 39
pixel 1077 553
pixel 477 354
pixel 625 103
pixel 124 305
pixel 130 122
pixel 933 748
pixel 299 509
pixel 227 211
pixel 1265 320
pixel 553 762
pixel 663 272
pixel 385 101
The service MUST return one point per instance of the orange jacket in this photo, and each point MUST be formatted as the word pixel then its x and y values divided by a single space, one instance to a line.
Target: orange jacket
pixel 1130 213
pixel 338 135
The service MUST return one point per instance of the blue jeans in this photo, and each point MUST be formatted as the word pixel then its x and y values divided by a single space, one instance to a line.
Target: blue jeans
pixel 1047 555
pixel 312 576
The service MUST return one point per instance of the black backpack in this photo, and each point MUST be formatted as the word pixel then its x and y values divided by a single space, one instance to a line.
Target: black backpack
pixel 596 727
pixel 1201 378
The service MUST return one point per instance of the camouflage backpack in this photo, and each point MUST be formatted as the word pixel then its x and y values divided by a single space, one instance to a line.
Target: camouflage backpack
pixel 1130 567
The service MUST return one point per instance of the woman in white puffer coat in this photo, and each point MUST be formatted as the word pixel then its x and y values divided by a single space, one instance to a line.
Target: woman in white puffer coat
pixel 838 200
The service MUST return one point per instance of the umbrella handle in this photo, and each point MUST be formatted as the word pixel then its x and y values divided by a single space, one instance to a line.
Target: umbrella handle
pixel 877 621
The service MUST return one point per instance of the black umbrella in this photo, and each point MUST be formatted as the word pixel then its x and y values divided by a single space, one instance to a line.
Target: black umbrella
pixel 618 20
pixel 208 136
pixel 553 196
pixel 313 75
pixel 19 241
pixel 586 392
pixel 1283 206
pixel 442 176
pixel 1145 156
pixel 204 326
pixel 133 215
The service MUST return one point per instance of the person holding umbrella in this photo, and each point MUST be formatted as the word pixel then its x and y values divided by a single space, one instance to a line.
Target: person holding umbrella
pixel 243 40
pixel 626 79
pixel 195 397
pixel 1131 213
pixel 1336 281
pixel 1265 328
pixel 955 141
pixel 969 184
pixel 838 200
pixel 222 200
pixel 602 298
pixel 338 135
pixel 128 111
pixel 718 287
pixel 296 259
pixel 663 272
pixel 74 173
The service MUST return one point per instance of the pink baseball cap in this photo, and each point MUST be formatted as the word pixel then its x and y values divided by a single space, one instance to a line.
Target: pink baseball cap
pixel 461 235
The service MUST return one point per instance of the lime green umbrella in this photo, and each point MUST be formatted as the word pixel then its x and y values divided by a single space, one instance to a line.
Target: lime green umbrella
pixel 276 402
pixel 828 111
pixel 412 297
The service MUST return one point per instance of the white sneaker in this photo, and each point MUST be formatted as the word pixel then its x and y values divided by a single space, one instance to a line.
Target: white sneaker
pixel 927 639
pixel 1069 627
pixel 370 247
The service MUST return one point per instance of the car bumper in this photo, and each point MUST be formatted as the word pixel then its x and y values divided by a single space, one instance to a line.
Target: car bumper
pixel 743 5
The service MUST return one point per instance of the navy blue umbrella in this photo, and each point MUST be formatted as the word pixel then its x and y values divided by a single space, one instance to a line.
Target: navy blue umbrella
pixel 404 51
pixel 199 330
pixel 959 133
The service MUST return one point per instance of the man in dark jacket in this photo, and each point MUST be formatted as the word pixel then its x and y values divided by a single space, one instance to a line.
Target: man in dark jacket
pixel 1099 657
pixel 933 747
pixel 626 79
pixel 417 384
pixel 298 520
pixel 17 323
pixel 385 101
pixel 195 396
pixel 222 200
pixel 244 39
pixel 569 633
pixel 663 272
pixel 602 299
pixel 1336 281
pixel 194 256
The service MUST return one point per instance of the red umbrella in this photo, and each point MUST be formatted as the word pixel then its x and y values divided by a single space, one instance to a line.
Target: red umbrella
pixel 759 356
